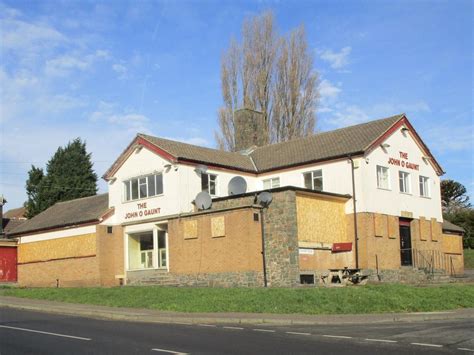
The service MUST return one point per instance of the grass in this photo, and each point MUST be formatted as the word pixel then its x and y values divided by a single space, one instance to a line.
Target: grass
pixel 348 300
pixel 469 258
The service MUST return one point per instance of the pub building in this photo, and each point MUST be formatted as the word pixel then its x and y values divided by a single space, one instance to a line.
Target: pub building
pixel 363 199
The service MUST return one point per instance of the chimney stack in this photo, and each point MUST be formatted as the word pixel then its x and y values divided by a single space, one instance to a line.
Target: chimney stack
pixel 250 129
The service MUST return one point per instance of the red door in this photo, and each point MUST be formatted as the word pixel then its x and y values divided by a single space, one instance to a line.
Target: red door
pixel 8 272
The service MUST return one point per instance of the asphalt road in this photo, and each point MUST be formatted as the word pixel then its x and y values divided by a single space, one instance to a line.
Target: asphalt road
pixel 26 332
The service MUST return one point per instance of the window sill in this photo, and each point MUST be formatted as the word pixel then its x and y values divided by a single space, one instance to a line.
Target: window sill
pixel 406 193
pixel 383 188
pixel 426 197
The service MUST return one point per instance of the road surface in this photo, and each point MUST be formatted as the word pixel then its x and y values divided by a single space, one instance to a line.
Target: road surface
pixel 26 332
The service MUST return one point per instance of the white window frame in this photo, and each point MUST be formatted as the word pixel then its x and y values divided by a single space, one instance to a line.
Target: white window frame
pixel 424 186
pixel 209 190
pixel 383 169
pixel 271 183
pixel 314 175
pixel 127 185
pixel 404 177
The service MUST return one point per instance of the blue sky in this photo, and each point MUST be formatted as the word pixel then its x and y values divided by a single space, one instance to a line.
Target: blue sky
pixel 104 71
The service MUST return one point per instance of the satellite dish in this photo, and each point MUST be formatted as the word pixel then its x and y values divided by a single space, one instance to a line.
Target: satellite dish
pixel 264 198
pixel 203 200
pixel 237 185
pixel 200 169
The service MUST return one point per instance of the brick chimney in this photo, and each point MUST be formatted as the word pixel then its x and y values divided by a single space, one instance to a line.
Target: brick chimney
pixel 249 129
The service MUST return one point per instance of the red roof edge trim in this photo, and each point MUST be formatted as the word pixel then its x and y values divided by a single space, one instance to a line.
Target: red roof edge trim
pixel 129 150
pixel 401 122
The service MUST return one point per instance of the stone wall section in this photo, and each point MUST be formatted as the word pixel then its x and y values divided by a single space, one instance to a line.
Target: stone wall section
pixel 281 236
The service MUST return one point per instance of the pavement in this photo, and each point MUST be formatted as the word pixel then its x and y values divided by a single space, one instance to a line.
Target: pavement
pixel 154 316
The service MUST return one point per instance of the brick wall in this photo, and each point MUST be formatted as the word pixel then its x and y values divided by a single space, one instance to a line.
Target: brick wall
pixel 110 252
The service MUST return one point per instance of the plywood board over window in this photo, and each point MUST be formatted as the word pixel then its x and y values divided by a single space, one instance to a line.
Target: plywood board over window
pixel 381 225
pixel 393 227
pixel 425 228
pixel 218 227
pixel 435 230
pixel 190 229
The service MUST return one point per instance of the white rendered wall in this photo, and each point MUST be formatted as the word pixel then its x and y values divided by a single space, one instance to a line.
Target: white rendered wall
pixel 393 201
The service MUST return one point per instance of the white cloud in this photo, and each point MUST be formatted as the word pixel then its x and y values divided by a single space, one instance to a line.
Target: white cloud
pixel 121 70
pixel 112 114
pixel 337 60
pixel 452 137
pixel 64 64
pixel 341 114
pixel 328 91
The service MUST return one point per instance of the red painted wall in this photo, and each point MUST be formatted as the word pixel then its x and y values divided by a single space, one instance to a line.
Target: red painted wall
pixel 8 262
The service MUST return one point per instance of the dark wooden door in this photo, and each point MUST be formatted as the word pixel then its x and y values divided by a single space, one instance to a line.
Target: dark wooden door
pixel 405 246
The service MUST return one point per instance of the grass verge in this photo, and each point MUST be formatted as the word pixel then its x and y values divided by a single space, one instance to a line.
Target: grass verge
pixel 469 258
pixel 348 300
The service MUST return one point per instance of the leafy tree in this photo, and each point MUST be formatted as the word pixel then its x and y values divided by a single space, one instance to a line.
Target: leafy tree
pixel 69 175
pixel 33 186
pixel 453 196
pixel 272 74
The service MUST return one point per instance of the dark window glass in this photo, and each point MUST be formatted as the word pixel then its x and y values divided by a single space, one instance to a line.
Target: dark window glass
pixel 161 239
pixel 134 183
pixel 204 182
pixel 151 185
pixel 143 188
pixel 128 194
pixel 159 184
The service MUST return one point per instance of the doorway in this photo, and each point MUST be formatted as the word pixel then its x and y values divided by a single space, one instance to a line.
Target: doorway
pixel 405 243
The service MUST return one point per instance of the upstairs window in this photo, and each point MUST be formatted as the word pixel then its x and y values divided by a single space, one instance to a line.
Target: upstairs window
pixel 404 179
pixel 424 186
pixel 383 178
pixel 142 187
pixel 314 180
pixel 209 183
pixel 271 183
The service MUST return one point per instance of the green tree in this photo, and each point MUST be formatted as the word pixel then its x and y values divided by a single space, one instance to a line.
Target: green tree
pixel 69 175
pixel 33 186
pixel 453 196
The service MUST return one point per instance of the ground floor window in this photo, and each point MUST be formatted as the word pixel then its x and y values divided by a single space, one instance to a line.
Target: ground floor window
pixel 147 250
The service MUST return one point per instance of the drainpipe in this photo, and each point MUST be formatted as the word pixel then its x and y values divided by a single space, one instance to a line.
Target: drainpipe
pixel 354 204
pixel 263 249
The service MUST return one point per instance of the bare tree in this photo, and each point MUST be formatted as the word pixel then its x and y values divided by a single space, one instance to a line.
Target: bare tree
pixel 271 74
pixel 295 91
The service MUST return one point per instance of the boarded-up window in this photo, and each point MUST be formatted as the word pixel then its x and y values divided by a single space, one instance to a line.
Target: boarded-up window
pixel 393 227
pixel 381 225
pixel 190 229
pixel 425 229
pixel 435 230
pixel 218 227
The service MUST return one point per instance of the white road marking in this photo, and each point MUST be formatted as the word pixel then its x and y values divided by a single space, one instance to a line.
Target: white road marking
pixel 207 325
pixel 169 351
pixel 382 340
pixel 298 333
pixel 431 345
pixel 337 336
pixel 47 333
pixel 235 328
pixel 466 349
pixel 264 330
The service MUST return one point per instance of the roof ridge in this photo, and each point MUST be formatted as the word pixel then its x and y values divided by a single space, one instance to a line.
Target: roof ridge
pixel 330 131
pixel 188 144
pixel 81 198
